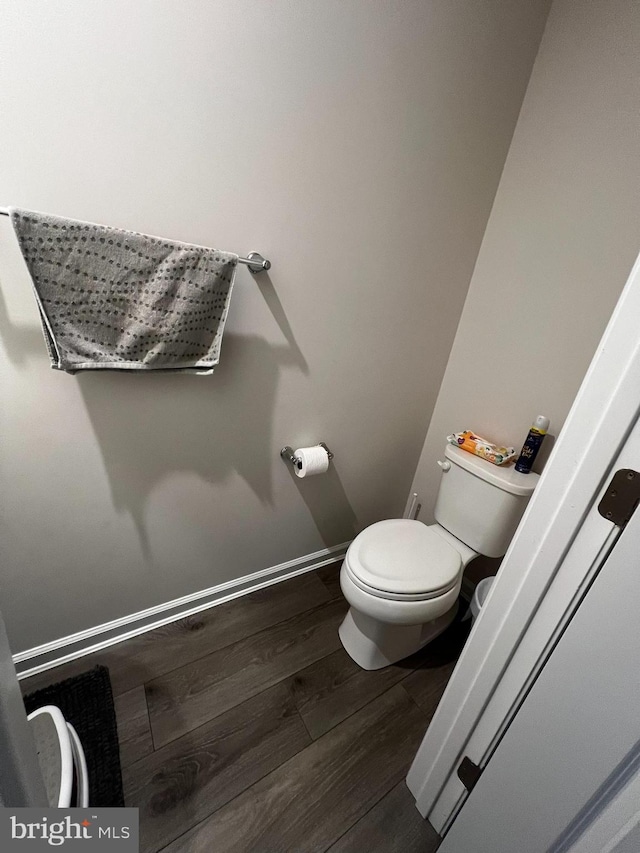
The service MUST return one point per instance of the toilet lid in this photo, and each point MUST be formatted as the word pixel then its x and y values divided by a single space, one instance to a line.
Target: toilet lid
pixel 402 556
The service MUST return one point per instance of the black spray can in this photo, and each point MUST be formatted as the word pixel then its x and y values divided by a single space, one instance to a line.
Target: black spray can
pixel 532 444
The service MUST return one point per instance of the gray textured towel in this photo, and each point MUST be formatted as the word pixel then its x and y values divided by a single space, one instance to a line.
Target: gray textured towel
pixel 125 301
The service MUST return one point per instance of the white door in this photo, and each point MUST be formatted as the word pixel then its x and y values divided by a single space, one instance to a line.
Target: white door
pixel 553 557
pixel 572 753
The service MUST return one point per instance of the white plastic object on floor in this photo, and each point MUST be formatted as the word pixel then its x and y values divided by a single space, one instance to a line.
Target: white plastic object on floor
pixel 61 756
pixel 82 774
pixel 480 596
pixel 55 753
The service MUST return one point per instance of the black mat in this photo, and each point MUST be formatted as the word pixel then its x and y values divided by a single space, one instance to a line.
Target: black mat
pixel 87 703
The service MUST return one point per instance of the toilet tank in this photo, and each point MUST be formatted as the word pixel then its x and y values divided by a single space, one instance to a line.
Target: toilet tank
pixel 480 503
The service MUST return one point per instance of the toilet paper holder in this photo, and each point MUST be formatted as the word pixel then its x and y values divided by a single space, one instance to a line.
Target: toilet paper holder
pixel 289 456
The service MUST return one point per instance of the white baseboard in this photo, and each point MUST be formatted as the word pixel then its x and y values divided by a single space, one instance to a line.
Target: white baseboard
pixel 81 643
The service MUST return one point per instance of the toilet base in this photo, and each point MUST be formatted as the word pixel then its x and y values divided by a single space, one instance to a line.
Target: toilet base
pixel 373 644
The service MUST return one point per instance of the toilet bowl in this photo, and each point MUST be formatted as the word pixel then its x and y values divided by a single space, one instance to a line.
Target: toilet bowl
pixel 402 580
pixel 402 577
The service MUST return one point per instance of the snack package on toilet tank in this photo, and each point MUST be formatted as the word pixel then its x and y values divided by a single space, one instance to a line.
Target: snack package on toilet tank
pixel 479 446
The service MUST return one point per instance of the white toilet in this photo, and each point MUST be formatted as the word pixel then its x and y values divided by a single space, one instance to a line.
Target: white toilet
pixel 402 578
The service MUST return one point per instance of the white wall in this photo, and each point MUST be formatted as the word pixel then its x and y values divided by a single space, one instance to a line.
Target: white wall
pixel 358 145
pixel 561 239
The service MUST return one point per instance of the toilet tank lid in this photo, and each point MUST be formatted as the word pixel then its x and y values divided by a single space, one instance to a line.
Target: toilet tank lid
pixel 505 477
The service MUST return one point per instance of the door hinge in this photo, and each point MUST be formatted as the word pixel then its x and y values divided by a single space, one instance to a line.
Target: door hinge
pixel 621 497
pixel 468 773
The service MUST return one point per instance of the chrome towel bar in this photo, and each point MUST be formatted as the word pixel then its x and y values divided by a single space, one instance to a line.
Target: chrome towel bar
pixel 254 260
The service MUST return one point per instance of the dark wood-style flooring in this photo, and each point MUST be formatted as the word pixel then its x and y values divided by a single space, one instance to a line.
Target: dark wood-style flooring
pixel 248 728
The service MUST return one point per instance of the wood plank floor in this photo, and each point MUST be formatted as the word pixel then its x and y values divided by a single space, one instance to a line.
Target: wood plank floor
pixel 248 728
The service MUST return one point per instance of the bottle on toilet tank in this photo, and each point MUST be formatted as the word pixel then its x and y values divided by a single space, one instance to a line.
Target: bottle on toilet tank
pixel 532 444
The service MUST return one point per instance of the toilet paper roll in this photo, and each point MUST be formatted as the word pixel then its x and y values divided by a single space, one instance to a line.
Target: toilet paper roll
pixel 315 460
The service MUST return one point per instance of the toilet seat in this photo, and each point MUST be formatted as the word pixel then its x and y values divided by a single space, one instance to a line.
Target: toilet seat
pixel 403 560
pixel 398 596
